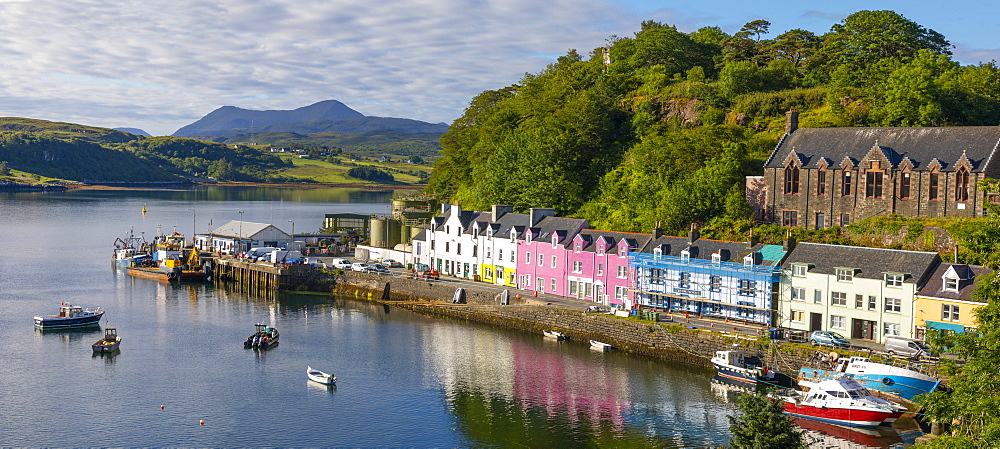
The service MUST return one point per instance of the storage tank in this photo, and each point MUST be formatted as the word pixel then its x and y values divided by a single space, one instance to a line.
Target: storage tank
pixel 378 235
pixel 404 234
pixel 393 228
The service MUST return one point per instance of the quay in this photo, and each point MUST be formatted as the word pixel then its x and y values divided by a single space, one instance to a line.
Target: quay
pixel 259 278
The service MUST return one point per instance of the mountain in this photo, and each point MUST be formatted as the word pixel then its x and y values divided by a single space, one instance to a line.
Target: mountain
pixel 356 125
pixel 134 131
pixel 231 117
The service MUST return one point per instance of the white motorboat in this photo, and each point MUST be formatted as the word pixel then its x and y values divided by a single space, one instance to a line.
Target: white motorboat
pixel 318 376
pixel 599 346
pixel 554 334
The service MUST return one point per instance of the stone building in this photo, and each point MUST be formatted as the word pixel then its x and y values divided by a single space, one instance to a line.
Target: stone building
pixel 819 177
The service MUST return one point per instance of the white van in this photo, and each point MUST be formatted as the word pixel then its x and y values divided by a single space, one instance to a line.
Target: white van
pixel 902 347
pixel 341 263
pixel 259 253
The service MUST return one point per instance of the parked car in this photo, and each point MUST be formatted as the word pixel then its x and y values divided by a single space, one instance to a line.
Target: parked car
pixel 828 338
pixel 905 348
pixel 391 263
pixel 314 262
pixel 377 268
pixel 360 267
pixel 341 263
pixel 424 271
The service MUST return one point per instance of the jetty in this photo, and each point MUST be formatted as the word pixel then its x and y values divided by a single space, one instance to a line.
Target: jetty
pixel 259 278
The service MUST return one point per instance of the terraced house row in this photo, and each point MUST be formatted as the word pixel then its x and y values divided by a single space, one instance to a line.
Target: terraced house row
pixel 864 293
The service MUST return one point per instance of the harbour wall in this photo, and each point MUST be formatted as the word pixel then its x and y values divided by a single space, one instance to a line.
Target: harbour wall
pixel 663 340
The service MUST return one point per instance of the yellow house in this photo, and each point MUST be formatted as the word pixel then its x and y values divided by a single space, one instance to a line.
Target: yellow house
pixel 946 301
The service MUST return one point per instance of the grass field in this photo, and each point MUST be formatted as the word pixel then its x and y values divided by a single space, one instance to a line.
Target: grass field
pixel 312 170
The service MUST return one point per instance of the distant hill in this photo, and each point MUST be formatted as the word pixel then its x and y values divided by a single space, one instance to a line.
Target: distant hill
pixel 135 131
pixel 231 117
pixel 357 125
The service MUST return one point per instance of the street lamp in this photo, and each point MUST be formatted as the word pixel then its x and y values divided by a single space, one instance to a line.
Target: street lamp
pixel 293 229
pixel 240 235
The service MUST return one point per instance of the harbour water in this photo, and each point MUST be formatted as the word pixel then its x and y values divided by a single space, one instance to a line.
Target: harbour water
pixel 403 379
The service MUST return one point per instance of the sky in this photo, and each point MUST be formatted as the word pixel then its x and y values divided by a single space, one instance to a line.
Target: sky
pixel 158 65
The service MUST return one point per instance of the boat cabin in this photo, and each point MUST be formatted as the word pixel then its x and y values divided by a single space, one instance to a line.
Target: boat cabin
pixel 69 311
pixel 737 358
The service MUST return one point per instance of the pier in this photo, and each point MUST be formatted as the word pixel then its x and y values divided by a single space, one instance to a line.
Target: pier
pixel 260 278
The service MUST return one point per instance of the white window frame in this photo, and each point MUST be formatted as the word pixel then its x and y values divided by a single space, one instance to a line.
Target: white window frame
pixel 799 270
pixel 890 329
pixel 894 280
pixel 838 322
pixel 798 316
pixel 600 269
pixel 798 294
pixel 540 283
pixel 950 284
pixel 555 261
pixel 950 312
pixel 527 257
pixel 553 285
pixel 836 300
pixel 845 275
pixel 892 305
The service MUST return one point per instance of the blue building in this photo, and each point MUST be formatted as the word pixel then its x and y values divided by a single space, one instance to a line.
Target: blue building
pixel 735 280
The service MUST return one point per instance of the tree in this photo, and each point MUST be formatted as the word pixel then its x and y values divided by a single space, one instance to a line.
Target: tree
pixel 4 169
pixel 762 425
pixel 796 45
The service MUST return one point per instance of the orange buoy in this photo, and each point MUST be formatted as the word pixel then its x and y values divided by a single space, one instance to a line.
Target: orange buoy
pixel 161 407
pixel 202 422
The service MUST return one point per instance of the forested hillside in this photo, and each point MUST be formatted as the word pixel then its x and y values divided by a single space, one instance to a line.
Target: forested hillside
pixel 663 126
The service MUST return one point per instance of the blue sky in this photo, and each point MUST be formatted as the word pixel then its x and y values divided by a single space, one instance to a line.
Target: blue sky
pixel 161 64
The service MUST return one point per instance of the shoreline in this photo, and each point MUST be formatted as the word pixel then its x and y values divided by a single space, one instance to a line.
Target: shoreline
pixel 174 186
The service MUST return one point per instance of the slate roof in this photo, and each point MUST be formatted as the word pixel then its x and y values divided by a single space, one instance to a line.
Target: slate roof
pixel 548 225
pixel 701 248
pixel 235 229
pixel 591 235
pixel 920 145
pixel 972 273
pixel 869 263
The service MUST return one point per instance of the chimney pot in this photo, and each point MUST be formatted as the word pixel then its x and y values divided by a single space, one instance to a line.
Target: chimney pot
pixel 791 121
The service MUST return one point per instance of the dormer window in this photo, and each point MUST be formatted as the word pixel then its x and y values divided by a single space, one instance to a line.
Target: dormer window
pixel 685 256
pixel 489 233
pixel 657 252
pixel 800 270
pixel 622 251
pixel 845 275
pixel 748 260
pixel 951 284
pixel 576 246
pixel 600 249
pixel 894 280
pixel 555 241
pixel 458 230
pixel 791 179
pixel 716 258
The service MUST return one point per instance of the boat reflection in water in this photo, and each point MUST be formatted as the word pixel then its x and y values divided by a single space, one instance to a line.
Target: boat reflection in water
pixel 824 435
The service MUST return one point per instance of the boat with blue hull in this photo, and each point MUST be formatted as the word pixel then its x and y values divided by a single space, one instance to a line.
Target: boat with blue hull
pixel 737 365
pixel 901 382
pixel 69 316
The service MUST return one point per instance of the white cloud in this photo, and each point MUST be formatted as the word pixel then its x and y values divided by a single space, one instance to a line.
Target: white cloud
pixel 161 64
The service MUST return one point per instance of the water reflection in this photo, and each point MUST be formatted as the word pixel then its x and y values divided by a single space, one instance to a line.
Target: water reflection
pixel 822 435
pixel 69 335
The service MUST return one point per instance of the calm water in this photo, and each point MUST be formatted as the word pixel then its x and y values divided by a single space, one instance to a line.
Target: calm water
pixel 404 380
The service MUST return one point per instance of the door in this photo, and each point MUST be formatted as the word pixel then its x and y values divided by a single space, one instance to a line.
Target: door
pixel 815 321
pixel 858 328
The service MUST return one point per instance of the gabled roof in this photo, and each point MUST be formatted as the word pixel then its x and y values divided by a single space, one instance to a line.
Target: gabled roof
pixel 972 274
pixel 920 145
pixel 701 248
pixel 634 240
pixel 548 225
pixel 245 229
pixel 869 263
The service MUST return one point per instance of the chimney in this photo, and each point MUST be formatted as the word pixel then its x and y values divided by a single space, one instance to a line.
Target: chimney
pixel 445 207
pixel 537 213
pixel 789 243
pixel 499 211
pixel 657 232
pixel 693 234
pixel 791 121
pixel 752 241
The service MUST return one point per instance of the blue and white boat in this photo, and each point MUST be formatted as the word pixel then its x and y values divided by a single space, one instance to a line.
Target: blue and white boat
pixel 69 316
pixel 897 381
pixel 736 365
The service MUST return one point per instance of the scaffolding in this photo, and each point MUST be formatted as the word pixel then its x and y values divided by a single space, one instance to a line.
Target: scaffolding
pixel 729 290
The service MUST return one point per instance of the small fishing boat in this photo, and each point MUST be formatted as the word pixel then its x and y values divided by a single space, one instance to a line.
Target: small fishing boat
pixel 902 382
pixel 109 343
pixel 265 337
pixel 70 316
pixel 598 346
pixel 556 335
pixel 318 376
pixel 841 401
pixel 737 365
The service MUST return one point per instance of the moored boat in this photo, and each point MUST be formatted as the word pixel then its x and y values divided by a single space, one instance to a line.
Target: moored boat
pixel 599 346
pixel 842 401
pixel 736 364
pixel 318 376
pixel 70 316
pixel 554 334
pixel 902 382
pixel 265 337
pixel 166 259
pixel 109 343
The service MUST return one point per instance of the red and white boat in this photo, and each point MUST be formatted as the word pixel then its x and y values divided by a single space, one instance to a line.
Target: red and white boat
pixel 841 401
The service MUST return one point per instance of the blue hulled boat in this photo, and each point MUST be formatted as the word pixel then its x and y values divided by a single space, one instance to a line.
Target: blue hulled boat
pixel 69 316
pixel 737 365
pixel 902 382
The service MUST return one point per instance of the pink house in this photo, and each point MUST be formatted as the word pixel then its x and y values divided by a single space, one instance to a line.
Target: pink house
pixel 598 267
pixel 541 254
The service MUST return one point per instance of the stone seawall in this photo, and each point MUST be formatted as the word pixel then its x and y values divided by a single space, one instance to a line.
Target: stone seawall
pixel 665 341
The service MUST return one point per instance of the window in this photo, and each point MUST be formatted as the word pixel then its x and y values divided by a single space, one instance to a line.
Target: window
pixel 685 280
pixel 845 219
pixel 845 274
pixel 904 185
pixel 949 312
pixel 893 305
pixel 554 261
pixel 859 301
pixel 527 257
pixel 715 283
pixel 526 280
pixel 600 250
pixel 512 254
pixel 818 296
pixel 540 283
pixel 541 259
pixel 838 299
pixel 458 249
pixel 587 289
pixel 622 272
pixel 577 266
pixel 950 284
pixel 845 184
pixel 932 187
pixel 799 270
pixel 500 254
pixel 872 302
pixel 446 245
pixel 716 258
pixel 489 253
pixel 791 179
pixel 891 329
pixel 962 185
pixel 576 247
pixel 621 293
pixel 820 220
pixel 893 280
pixel 873 183
pixel 685 256
pixel 552 285
pixel 622 251
pixel 572 288
pixel 838 322
pixel 474 251
pixel 798 294
pixel 798 316
pixel 747 287
pixel 600 269
pixel 821 182
pixel 789 218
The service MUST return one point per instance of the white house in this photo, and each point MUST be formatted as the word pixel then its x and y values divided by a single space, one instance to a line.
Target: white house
pixel 238 236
